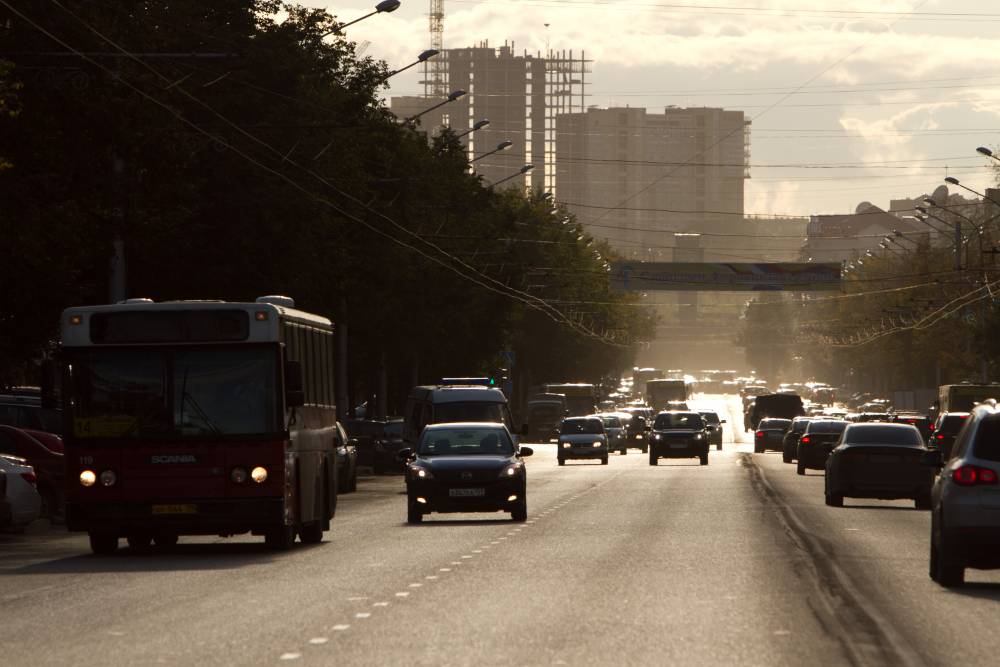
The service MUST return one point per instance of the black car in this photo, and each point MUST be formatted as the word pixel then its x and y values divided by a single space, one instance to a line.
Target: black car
pixel 467 467
pixel 377 443
pixel 678 435
pixel 347 460
pixel 879 460
pixel 816 443
pixel 924 424
pixel 790 441
pixel 770 434
pixel 713 427
pixel 946 428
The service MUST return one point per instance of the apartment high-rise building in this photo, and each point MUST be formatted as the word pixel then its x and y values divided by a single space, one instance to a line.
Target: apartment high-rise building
pixel 521 96
pixel 634 177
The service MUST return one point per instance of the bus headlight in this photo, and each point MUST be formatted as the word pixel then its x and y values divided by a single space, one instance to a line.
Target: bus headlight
pixel 88 478
pixel 108 478
pixel 259 474
pixel 238 475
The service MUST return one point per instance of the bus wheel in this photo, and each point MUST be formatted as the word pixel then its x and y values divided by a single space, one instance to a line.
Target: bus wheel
pixel 165 541
pixel 311 533
pixel 103 544
pixel 139 542
pixel 280 539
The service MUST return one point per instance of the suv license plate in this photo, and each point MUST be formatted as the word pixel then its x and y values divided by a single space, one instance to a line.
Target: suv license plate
pixel 175 509
pixel 678 445
pixel 466 493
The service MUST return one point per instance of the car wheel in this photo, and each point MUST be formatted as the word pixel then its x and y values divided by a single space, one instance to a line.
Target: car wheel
pixel 165 541
pixel 562 462
pixel 718 446
pixel 281 538
pixel 946 570
pixel 604 461
pixel 758 449
pixel 922 502
pixel 520 512
pixel 704 459
pixel 311 533
pixel 644 449
pixel 103 544
pixel 139 542
pixel 800 468
pixel 934 559
pixel 786 456
pixel 413 514
pixel 652 459
pixel 353 486
pixel 834 500
pixel 623 451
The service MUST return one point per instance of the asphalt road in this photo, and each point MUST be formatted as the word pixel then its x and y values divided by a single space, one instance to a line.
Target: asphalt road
pixel 625 564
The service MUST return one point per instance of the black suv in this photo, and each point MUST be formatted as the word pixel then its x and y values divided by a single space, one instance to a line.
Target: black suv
pixel 678 435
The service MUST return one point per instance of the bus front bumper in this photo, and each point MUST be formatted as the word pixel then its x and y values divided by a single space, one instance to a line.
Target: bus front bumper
pixel 207 516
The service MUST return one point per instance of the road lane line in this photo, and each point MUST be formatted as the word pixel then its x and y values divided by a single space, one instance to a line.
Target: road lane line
pixel 340 627
pixel 363 614
pixel 290 656
pixel 402 594
pixel 318 641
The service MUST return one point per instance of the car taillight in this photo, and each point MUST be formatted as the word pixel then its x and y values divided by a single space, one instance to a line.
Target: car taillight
pixel 806 439
pixel 30 478
pixel 760 434
pixel 973 475
pixel 939 436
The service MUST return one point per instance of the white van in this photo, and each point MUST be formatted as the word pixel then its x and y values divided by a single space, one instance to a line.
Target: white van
pixel 439 404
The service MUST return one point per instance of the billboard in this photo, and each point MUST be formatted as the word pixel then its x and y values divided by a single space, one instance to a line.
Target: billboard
pixel 727 277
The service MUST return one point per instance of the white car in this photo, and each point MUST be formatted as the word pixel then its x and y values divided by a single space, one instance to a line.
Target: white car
pixel 22 492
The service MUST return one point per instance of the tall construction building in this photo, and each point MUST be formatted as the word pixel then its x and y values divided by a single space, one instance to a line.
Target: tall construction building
pixel 521 96
pixel 634 177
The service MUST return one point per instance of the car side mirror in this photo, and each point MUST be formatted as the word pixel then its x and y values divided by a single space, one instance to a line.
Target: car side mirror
pixel 722 421
pixel 526 451
pixel 404 454
pixel 294 395
pixel 933 458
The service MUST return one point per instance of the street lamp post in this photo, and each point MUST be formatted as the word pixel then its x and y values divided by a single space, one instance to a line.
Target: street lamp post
pixel 502 146
pixel 479 124
pixel 958 235
pixel 424 56
pixel 384 7
pixel 520 172
pixel 452 96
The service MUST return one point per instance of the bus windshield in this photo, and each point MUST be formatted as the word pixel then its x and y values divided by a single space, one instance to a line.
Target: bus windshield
pixel 170 393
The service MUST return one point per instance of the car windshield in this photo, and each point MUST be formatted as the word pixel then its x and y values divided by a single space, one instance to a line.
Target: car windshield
pixel 121 393
pixel 775 424
pixel 678 420
pixel 611 422
pixel 883 434
pixel 800 425
pixel 826 427
pixel 465 442
pixel 952 424
pixel 468 411
pixel 711 418
pixel 574 426
pixel 394 430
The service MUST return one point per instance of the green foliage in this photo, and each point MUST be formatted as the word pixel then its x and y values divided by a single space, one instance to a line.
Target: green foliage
pixel 268 164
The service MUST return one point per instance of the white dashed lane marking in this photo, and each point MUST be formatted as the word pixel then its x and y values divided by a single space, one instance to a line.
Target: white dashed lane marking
pixel 318 641
pixel 362 614
pixel 340 627
pixel 290 656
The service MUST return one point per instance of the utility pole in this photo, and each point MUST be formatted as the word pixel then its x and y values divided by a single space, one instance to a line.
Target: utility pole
pixel 958 245
pixel 340 373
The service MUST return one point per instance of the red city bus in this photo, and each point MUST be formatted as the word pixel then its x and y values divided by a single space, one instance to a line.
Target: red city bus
pixel 198 418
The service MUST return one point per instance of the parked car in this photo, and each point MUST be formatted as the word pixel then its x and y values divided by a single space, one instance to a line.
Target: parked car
pixel 22 492
pixel 816 443
pixel 965 501
pixel 678 435
pixel 582 438
pixel 466 467
pixel 879 460
pixel 387 446
pixel 49 465
pixel 347 460
pixel 713 427
pixel 770 434
pixel 615 431
pixel 946 429
pixel 790 440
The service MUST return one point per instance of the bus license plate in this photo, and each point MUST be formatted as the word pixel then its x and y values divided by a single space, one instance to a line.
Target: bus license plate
pixel 175 509
pixel 466 493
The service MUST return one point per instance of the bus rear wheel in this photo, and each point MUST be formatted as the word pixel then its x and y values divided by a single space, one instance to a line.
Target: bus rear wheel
pixel 280 539
pixel 311 533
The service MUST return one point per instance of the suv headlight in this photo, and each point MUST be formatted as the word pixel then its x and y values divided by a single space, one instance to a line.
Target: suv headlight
pixel 512 470
pixel 698 436
pixel 419 472
pixel 598 443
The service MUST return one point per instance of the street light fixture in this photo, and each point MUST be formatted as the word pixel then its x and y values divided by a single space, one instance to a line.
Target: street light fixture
pixel 988 153
pixel 502 146
pixel 452 96
pixel 424 56
pixel 955 181
pixel 520 172
pixel 479 124
pixel 384 7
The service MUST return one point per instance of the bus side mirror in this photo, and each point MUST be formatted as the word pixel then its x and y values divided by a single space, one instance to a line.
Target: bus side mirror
pixel 294 395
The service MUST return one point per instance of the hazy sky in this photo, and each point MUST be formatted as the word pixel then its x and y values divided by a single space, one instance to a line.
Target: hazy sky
pixel 899 92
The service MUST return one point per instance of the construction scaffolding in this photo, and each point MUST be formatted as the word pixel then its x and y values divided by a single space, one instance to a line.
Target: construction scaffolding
pixel 436 69
pixel 565 92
